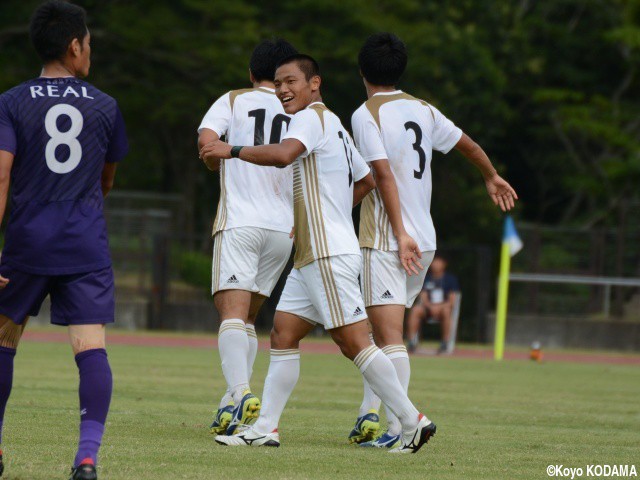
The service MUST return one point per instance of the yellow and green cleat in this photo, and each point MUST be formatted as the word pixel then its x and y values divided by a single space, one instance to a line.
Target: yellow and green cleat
pixel 367 428
pixel 221 419
pixel 245 412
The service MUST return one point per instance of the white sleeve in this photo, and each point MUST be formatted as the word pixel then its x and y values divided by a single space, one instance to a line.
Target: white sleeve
pixel 218 117
pixel 367 136
pixel 445 133
pixel 360 167
pixel 306 127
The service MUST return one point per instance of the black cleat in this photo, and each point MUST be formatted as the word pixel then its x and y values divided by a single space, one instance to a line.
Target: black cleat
pixel 1 464
pixel 84 471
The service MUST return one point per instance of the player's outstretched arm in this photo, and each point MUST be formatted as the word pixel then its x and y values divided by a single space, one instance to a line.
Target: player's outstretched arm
pixel 6 162
pixel 502 194
pixel 408 250
pixel 208 136
pixel 275 155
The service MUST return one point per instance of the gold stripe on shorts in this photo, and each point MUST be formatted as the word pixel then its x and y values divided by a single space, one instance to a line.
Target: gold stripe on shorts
pixel 369 279
pixel 217 256
pixel 331 289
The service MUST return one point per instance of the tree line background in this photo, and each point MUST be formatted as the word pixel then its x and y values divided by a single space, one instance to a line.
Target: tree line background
pixel 548 88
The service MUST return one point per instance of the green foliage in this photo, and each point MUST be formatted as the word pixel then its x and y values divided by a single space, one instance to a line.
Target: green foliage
pixel 549 89
pixel 195 268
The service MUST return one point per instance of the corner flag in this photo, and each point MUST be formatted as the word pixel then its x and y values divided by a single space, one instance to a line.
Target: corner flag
pixel 511 244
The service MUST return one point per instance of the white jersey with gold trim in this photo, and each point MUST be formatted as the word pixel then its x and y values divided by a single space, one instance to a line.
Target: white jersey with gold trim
pixel 404 130
pixel 251 195
pixel 323 185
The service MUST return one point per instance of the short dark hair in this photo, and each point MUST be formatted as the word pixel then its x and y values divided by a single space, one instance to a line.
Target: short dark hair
pixel 53 27
pixel 383 59
pixel 266 56
pixel 306 63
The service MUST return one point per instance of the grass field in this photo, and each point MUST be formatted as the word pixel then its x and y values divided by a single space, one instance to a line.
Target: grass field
pixel 502 421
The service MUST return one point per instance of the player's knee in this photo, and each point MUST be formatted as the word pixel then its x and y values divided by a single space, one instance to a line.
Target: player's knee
pixel 348 348
pixel 85 346
pixel 282 339
pixel 86 337
pixel 10 333
pixel 389 337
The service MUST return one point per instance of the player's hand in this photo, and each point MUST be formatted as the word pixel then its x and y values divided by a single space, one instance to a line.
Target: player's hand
pixel 501 192
pixel 215 149
pixel 409 254
pixel 292 233
pixel 3 282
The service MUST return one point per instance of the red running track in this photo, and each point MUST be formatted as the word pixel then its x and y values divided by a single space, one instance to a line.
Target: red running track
pixel 318 346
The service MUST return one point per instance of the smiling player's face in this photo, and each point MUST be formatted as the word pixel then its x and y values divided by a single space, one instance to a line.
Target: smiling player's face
pixel 293 89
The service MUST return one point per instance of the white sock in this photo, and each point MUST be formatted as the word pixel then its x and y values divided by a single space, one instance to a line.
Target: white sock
pixel 253 348
pixel 400 359
pixel 370 401
pixel 284 370
pixel 233 346
pixel 382 376
pixel 226 399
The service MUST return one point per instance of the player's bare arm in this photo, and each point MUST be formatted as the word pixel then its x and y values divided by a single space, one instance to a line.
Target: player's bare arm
pixel 408 250
pixel 6 162
pixel 209 136
pixel 275 155
pixel 502 194
pixel 362 187
pixel 107 178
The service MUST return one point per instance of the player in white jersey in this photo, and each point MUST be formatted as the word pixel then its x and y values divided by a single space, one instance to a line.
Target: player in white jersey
pixel 396 133
pixel 329 178
pixel 252 227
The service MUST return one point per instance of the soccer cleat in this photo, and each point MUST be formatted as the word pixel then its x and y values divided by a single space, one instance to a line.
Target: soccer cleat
pixel 1 464
pixel 85 471
pixel 245 412
pixel 249 437
pixel 221 419
pixel 417 438
pixel 386 440
pixel 366 428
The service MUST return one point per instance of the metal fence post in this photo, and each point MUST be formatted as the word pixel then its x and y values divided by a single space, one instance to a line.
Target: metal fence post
pixel 607 300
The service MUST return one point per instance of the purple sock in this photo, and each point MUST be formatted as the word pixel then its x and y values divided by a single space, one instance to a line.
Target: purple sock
pixel 95 395
pixel 6 380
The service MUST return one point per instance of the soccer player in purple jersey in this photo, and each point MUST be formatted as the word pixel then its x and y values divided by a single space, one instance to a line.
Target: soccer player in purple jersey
pixel 60 141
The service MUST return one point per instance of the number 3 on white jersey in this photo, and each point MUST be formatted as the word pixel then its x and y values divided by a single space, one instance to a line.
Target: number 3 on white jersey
pixel 68 138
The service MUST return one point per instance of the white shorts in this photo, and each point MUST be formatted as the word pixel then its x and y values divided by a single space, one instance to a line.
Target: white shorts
pixel 249 258
pixel 385 281
pixel 325 292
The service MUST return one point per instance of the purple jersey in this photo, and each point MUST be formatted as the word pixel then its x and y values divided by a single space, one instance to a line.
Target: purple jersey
pixel 61 131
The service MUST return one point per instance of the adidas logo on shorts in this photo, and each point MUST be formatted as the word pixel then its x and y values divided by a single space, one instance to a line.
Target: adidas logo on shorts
pixel 233 279
pixel 386 295
pixel 357 312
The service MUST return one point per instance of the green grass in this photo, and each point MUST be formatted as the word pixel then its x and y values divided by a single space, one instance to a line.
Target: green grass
pixel 495 421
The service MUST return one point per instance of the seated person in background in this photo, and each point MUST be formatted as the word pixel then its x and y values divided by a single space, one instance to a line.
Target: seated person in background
pixel 436 300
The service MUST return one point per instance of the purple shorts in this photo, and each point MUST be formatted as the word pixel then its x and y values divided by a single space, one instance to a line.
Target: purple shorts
pixel 79 299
